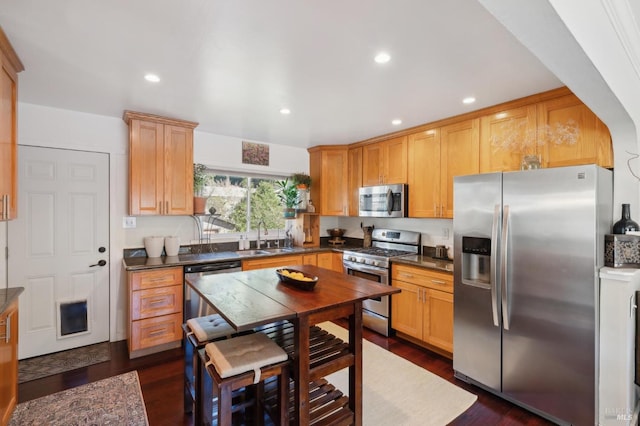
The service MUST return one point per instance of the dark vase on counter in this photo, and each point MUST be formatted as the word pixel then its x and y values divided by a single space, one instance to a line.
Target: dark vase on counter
pixel 625 224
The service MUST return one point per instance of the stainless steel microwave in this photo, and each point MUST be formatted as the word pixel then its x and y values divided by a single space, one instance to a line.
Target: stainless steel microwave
pixel 383 201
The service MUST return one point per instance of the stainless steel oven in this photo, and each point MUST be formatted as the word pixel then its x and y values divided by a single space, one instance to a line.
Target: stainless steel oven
pixel 375 311
pixel 373 264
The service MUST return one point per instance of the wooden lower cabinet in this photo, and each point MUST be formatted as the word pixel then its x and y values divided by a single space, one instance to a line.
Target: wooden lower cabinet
pixel 423 311
pixel 329 260
pixel 272 262
pixel 155 310
pixel 8 361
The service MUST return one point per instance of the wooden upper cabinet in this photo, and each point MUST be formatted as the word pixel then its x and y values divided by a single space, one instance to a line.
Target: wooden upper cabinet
pixel 556 119
pixel 385 162
pixel 355 180
pixel 505 137
pixel 424 173
pixel 160 165
pixel 10 66
pixel 459 156
pixel 329 170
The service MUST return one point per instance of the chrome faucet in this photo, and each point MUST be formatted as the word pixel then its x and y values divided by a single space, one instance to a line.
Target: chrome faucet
pixel 266 232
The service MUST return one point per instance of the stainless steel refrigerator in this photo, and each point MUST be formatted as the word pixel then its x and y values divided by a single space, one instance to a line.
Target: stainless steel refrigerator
pixel 527 249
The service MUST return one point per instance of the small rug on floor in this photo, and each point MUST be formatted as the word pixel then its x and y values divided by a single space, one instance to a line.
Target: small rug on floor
pixel 59 362
pixel 399 392
pixel 116 400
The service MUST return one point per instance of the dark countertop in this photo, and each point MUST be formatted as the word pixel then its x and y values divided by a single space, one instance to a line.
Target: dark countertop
pixel 7 296
pixel 425 262
pixel 143 262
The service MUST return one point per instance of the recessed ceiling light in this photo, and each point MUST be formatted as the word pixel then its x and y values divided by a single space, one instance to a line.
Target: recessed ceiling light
pixel 382 58
pixel 469 100
pixel 152 78
pixel 396 122
pixel 285 111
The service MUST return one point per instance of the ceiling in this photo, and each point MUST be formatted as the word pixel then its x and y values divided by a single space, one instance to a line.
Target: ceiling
pixel 232 65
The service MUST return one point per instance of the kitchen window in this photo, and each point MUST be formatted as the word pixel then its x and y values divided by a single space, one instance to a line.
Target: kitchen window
pixel 238 202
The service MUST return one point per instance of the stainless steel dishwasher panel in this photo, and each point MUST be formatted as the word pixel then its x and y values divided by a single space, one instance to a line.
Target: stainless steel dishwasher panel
pixel 193 304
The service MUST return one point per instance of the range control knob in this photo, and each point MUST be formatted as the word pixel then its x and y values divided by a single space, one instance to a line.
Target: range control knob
pixel 375 263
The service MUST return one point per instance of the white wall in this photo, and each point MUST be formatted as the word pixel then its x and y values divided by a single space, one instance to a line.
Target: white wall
pixel 56 128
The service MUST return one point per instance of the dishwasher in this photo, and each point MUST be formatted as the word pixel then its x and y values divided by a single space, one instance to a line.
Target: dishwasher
pixel 193 303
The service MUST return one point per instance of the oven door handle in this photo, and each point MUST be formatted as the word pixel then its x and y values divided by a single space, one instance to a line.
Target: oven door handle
pixel 365 268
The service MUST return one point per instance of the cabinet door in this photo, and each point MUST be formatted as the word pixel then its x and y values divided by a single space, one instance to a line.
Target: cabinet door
pixel 310 259
pixel 8 362
pixel 424 173
pixel 146 168
pixel 330 167
pixel 395 161
pixel 407 309
pixel 325 260
pixel 337 262
pixel 438 325
pixel 178 165
pixel 385 162
pixel 459 156
pixel 505 137
pixel 372 164
pixel 355 180
pixel 8 138
pixel 556 119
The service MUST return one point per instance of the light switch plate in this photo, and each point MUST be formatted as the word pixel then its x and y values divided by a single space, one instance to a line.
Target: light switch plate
pixel 129 222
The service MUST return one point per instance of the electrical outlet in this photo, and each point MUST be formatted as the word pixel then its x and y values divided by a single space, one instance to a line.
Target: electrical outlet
pixel 129 222
pixel 445 233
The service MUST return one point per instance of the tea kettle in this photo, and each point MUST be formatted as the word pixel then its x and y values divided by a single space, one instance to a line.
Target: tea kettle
pixel 368 230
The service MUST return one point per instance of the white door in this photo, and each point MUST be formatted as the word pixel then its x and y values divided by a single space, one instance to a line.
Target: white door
pixel 59 249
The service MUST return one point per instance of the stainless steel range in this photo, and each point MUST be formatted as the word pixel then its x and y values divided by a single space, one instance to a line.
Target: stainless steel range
pixel 373 264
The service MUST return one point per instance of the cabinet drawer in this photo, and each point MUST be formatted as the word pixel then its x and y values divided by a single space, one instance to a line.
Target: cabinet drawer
pixel 153 278
pixel 156 331
pixel 156 301
pixel 423 277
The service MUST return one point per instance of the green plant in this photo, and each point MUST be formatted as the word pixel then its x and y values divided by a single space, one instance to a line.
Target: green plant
pixel 200 179
pixel 287 193
pixel 301 179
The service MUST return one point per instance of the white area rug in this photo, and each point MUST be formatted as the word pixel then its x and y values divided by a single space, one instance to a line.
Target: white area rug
pixel 398 392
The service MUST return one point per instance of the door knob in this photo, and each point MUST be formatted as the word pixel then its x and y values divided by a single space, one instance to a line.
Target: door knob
pixel 101 262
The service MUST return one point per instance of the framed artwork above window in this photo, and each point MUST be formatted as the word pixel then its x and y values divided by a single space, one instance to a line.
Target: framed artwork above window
pixel 255 153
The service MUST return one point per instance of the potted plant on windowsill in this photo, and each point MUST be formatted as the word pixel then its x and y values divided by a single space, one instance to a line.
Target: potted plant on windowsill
pixel 302 182
pixel 288 195
pixel 200 180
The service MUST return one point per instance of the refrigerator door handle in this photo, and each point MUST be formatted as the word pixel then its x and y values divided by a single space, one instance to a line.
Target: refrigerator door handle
pixel 494 264
pixel 503 267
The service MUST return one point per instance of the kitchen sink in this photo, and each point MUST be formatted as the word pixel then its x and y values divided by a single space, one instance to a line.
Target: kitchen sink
pixel 277 250
pixel 257 252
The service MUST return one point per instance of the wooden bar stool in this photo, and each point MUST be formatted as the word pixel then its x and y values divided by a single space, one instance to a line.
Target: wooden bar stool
pixel 198 332
pixel 243 362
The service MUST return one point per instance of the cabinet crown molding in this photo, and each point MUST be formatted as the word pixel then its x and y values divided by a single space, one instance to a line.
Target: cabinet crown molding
pixel 10 53
pixel 127 116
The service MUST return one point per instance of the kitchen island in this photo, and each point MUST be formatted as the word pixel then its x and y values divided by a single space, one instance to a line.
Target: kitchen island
pixel 253 298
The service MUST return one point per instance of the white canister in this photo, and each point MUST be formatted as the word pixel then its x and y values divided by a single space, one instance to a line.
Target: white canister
pixel 153 246
pixel 171 245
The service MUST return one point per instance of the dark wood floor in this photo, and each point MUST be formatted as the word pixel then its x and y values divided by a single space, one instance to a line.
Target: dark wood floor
pixel 161 378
